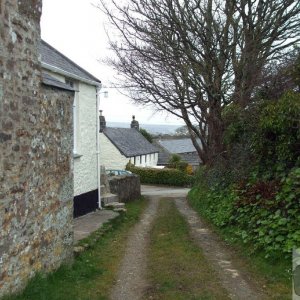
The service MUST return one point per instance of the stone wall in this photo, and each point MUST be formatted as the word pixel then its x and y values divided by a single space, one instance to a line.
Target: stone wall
pixel 126 187
pixel 36 182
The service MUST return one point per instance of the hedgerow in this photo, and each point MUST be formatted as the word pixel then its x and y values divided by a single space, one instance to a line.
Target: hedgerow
pixel 172 177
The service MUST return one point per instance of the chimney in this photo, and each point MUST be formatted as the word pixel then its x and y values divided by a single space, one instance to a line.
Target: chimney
pixel 102 122
pixel 135 124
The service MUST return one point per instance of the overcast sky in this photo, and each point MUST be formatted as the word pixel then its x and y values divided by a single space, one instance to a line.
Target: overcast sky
pixel 76 28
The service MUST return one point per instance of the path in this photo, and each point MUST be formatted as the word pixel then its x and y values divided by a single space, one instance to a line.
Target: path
pixel 219 257
pixel 131 282
pixel 85 225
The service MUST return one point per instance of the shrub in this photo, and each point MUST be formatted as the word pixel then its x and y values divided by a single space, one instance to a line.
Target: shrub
pixel 189 169
pixel 266 215
pixel 176 162
pixel 171 177
pixel 277 139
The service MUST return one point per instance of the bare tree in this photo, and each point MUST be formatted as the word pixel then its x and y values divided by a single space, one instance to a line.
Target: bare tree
pixel 192 58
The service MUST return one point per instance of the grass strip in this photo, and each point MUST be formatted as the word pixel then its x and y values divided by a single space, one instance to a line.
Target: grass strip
pixel 177 268
pixel 273 274
pixel 94 271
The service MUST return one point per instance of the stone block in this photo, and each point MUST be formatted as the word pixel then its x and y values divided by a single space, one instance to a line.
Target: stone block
pixel 126 187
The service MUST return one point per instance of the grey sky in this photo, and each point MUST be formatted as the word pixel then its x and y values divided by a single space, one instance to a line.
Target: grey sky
pixel 76 28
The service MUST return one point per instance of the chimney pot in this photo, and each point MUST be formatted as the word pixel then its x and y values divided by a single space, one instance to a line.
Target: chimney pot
pixel 102 122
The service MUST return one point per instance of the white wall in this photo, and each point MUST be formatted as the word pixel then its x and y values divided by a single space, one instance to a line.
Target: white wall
pixel 110 156
pixel 149 160
pixel 85 167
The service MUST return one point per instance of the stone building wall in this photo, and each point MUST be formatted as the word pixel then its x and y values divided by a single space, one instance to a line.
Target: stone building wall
pixel 36 182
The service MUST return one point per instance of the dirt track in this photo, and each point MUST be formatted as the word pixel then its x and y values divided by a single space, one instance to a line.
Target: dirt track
pixel 132 283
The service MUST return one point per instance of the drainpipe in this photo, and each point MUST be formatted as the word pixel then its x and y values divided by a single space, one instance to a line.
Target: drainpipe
pixel 98 88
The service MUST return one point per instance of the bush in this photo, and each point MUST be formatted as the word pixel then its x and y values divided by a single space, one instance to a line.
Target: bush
pixel 171 177
pixel 263 214
pixel 277 139
pixel 175 162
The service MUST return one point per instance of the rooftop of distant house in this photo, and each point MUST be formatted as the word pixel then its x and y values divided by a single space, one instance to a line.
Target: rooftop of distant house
pixel 177 145
pixel 129 141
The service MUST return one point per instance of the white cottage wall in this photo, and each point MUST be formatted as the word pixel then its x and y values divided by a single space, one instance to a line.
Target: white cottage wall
pixel 110 156
pixel 149 160
pixel 85 165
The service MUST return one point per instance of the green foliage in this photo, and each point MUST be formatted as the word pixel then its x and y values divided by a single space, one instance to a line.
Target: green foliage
pixel 146 135
pixel 254 190
pixel 263 214
pixel 277 139
pixel 171 177
pixel 174 159
pixel 239 123
pixel 215 204
pixel 175 162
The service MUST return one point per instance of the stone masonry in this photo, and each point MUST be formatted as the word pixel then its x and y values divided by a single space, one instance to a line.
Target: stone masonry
pixel 36 183
pixel 127 188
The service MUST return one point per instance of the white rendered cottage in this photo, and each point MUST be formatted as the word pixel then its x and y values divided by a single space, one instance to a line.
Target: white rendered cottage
pixel 85 122
pixel 121 145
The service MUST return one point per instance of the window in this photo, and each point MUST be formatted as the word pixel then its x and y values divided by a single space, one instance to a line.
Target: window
pixel 140 159
pixel 134 160
pixel 145 158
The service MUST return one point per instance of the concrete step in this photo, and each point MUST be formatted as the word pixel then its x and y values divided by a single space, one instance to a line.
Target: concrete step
pixel 122 209
pixel 115 205
pixel 109 198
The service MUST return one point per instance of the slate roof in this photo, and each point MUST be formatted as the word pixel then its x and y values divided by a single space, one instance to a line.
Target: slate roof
pixel 163 154
pixel 191 158
pixel 51 81
pixel 182 145
pixel 129 141
pixel 54 58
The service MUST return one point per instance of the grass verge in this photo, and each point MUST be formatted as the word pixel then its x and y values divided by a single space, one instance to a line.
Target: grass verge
pixel 93 272
pixel 272 274
pixel 177 268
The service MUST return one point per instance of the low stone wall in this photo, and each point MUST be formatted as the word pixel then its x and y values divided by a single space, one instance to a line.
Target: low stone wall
pixel 126 187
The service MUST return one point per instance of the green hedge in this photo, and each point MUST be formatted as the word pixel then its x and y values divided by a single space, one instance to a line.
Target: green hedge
pixel 171 177
pixel 263 214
